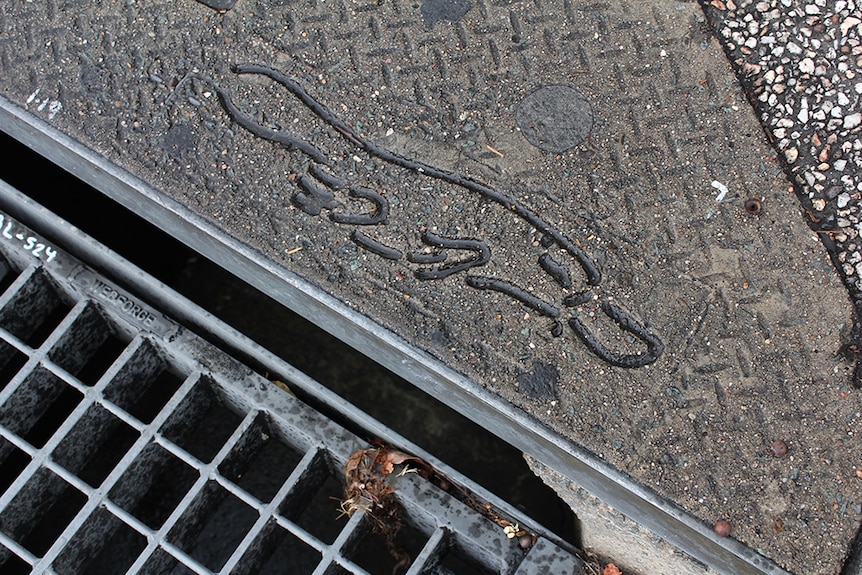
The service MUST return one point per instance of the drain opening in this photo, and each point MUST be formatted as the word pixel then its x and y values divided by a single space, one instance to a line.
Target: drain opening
pixel 105 344
pixel 153 486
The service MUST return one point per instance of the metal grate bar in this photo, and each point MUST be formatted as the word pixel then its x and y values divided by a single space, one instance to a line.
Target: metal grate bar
pixel 143 443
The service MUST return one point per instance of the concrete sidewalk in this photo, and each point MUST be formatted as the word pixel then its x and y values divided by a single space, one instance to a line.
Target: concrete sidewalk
pixel 572 205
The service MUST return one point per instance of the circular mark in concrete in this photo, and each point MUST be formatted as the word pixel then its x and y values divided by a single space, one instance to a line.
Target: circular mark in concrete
pixel 555 118
pixel 451 10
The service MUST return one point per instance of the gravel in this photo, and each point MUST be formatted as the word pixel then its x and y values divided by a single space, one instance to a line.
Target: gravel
pixel 800 64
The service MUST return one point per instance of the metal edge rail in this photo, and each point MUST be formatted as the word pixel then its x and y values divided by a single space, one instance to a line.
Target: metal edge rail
pixel 664 518
pixel 204 376
pixel 74 241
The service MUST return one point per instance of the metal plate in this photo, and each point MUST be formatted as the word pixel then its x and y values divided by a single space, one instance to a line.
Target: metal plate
pixel 526 200
pixel 130 445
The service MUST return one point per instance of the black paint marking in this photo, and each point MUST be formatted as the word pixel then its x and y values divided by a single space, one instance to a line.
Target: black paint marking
pixel 480 248
pixel 592 272
pixel 557 328
pixel 378 216
pixel 374 246
pixel 541 383
pixel 576 299
pixel 311 199
pixel 427 258
pixel 556 270
pixel 326 178
pixel 284 138
pixel 654 345
pixel 514 292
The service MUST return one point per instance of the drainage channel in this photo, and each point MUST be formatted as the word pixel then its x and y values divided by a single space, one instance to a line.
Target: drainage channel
pixel 130 444
pixel 662 519
pixel 464 445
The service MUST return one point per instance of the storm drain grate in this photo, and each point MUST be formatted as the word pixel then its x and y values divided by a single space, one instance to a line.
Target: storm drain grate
pixel 129 444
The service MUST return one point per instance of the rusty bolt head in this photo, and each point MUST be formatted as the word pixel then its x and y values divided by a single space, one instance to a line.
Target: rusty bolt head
pixel 753 206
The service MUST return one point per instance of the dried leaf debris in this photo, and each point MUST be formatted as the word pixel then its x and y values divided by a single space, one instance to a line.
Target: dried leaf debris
pixel 368 475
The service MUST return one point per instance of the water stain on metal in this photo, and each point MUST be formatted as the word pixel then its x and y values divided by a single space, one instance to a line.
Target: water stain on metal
pixel 452 10
pixel 178 141
pixel 220 5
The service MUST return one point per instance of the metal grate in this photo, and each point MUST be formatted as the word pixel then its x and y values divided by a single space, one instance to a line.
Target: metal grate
pixel 129 444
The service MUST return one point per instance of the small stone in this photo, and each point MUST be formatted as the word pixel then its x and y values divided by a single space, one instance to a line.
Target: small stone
pixel 819 204
pixel 852 120
pixel 722 528
pixel 806 66
pixel 779 448
pixel 843 200
pixel 791 154
pixel 848 23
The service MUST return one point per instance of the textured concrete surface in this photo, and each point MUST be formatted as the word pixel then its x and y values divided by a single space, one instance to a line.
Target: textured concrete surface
pixel 615 538
pixel 553 198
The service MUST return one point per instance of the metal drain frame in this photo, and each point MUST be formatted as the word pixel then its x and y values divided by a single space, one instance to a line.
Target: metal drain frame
pixel 70 339
pixel 633 500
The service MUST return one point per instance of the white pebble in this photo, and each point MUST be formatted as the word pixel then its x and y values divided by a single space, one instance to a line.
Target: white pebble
pixel 722 190
pixel 852 120
pixel 848 23
pixel 806 66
